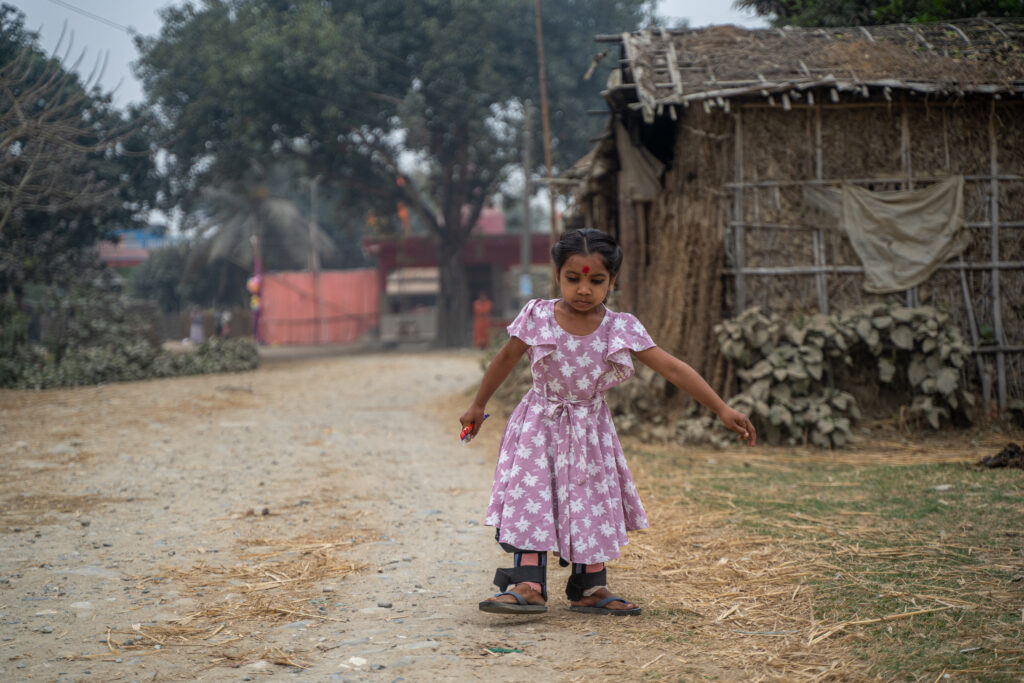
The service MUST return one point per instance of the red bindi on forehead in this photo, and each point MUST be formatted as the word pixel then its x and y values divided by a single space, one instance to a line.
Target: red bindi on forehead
pixel 586 269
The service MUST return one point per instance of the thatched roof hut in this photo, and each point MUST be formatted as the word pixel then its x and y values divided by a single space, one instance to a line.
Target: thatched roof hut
pixel 723 141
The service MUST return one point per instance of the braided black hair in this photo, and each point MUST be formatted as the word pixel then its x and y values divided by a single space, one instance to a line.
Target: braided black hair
pixel 587 241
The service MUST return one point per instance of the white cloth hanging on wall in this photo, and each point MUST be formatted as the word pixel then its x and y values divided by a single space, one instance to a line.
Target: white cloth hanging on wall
pixel 901 236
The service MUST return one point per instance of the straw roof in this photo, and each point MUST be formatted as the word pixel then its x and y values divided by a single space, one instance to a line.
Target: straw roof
pixel 711 65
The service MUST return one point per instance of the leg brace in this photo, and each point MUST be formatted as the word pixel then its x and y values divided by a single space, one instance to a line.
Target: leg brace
pixel 580 582
pixel 519 573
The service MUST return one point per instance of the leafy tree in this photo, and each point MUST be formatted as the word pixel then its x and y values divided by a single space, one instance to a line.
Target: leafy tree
pixel 72 168
pixel 873 12
pixel 904 11
pixel 349 88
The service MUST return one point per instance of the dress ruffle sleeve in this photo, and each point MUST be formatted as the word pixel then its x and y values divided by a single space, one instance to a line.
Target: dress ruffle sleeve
pixel 628 335
pixel 535 327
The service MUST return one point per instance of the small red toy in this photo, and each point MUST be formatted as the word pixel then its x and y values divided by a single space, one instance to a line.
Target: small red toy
pixel 464 436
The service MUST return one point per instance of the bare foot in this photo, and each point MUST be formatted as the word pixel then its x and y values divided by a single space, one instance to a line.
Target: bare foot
pixel 522 590
pixel 601 594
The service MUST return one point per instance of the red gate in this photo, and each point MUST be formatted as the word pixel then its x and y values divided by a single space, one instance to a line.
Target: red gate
pixel 336 306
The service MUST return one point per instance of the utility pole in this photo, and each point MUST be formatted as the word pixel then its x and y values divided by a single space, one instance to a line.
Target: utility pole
pixel 545 118
pixel 314 265
pixel 525 284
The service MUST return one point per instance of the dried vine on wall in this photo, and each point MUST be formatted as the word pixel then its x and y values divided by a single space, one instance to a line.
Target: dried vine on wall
pixel 680 289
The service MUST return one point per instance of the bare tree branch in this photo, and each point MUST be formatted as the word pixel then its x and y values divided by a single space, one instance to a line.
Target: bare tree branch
pixel 45 139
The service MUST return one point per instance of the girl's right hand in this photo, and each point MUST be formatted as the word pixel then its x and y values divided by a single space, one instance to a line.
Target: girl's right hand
pixel 739 423
pixel 473 416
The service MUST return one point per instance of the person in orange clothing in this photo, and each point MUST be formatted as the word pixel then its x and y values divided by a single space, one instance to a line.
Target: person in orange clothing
pixel 482 321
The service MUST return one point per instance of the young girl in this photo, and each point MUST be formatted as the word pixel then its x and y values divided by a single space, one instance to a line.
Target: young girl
pixel 562 482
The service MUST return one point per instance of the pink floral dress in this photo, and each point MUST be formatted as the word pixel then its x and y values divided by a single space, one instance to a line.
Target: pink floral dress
pixel 562 482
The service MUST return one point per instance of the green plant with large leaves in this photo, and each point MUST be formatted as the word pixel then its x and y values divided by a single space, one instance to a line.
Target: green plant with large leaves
pixel 783 367
pixel 790 369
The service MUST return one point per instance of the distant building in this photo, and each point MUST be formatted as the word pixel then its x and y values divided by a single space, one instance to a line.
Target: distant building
pixel 408 277
pixel 132 247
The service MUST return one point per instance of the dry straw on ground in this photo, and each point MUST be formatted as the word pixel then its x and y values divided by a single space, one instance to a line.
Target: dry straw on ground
pixel 746 601
pixel 277 580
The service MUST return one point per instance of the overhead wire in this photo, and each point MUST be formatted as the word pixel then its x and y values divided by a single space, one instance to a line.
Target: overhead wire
pixel 103 20
pixel 389 62
pixel 391 69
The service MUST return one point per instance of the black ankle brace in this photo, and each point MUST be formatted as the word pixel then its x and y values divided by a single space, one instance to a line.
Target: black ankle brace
pixel 580 581
pixel 503 578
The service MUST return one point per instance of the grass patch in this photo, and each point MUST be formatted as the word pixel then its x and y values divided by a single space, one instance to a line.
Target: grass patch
pixel 814 569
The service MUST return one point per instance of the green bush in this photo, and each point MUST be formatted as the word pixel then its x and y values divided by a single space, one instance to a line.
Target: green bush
pixel 217 355
pixel 133 360
pixel 790 369
pixel 94 339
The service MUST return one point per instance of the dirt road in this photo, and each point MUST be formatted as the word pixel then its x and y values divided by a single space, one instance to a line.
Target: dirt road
pixel 315 520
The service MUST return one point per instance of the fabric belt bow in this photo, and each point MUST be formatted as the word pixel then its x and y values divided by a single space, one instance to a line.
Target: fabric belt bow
pixel 572 416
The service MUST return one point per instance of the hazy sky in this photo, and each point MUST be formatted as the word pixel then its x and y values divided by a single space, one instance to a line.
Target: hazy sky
pixel 106 32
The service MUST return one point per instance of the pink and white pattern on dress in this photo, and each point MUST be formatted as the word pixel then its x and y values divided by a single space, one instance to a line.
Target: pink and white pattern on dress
pixel 562 482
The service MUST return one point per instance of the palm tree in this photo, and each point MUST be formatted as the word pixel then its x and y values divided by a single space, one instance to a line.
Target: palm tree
pixel 243 217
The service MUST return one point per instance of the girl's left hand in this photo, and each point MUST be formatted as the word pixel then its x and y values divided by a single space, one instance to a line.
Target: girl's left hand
pixel 739 423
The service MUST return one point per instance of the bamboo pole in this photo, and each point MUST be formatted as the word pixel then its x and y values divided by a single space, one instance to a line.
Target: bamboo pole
pixel 871 181
pixel 997 317
pixel 756 194
pixel 673 60
pixel 811 270
pixel 972 324
pixel 784 226
pixel 629 284
pixel 907 164
pixel 842 105
pixel 737 209
pixel 820 279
